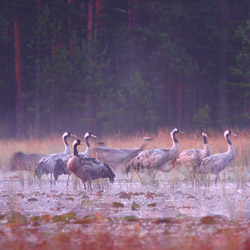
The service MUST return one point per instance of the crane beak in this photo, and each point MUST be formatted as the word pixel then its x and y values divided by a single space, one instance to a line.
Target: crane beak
pixel 72 135
pixel 147 138
pixel 181 132
pixel 233 134
pixel 94 136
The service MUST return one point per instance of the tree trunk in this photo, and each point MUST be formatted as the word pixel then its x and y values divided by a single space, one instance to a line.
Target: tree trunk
pixel 179 111
pixel 89 96
pixel 223 103
pixel 132 16
pixel 38 69
pixel 168 94
pixel 90 21
pixel 70 31
pixel 98 9
pixel 53 43
pixel 19 115
pixel 179 77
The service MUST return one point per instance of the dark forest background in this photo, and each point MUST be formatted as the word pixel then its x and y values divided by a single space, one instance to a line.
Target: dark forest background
pixel 123 65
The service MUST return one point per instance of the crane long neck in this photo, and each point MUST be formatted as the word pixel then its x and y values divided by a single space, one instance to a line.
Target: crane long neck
pixel 75 150
pixel 205 139
pixel 175 147
pixel 87 141
pixel 230 150
pixel 206 146
pixel 174 139
pixel 67 149
pixel 228 140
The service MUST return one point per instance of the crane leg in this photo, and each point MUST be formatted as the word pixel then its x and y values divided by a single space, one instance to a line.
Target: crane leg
pixel 203 180
pixel 90 187
pixel 51 178
pixel 216 179
pixel 68 180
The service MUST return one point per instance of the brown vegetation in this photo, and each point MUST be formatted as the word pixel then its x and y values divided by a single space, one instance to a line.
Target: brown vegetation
pixel 216 141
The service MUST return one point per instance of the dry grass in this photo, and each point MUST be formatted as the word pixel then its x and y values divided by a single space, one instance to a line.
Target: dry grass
pixel 110 233
pixel 161 139
pixel 216 141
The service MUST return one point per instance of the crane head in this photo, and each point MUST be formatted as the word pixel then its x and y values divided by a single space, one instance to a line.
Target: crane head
pixel 229 132
pixel 89 134
pixel 68 134
pixel 77 142
pixel 176 130
pixel 204 134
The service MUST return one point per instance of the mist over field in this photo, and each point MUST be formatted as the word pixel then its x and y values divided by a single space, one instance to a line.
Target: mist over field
pixel 124 124
pixel 137 210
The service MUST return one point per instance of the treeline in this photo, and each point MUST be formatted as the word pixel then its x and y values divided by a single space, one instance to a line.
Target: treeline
pixel 123 65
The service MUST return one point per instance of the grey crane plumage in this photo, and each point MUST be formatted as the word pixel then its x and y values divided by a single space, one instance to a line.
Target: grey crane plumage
pixel 193 157
pixel 155 159
pixel 86 168
pixel 117 157
pixel 215 163
pixel 22 161
pixel 46 165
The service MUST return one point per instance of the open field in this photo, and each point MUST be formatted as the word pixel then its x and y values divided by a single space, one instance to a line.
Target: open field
pixel 238 171
pixel 166 211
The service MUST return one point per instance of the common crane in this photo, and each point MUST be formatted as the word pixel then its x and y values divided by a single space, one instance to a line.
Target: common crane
pixel 46 165
pixel 117 157
pixel 22 161
pixel 193 157
pixel 215 163
pixel 86 168
pixel 154 159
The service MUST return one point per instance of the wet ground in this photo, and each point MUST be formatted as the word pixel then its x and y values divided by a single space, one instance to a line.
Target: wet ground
pixel 128 213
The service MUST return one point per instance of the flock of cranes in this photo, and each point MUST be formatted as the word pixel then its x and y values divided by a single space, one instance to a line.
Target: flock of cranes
pixel 109 160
